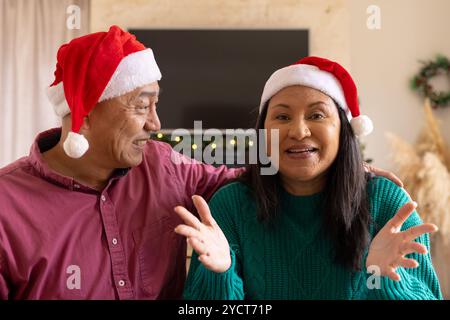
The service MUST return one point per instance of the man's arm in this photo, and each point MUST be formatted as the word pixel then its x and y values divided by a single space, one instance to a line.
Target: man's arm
pixel 200 178
pixel 383 173
pixel 203 179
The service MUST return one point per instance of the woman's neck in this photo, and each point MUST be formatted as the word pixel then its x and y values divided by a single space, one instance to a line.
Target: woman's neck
pixel 303 188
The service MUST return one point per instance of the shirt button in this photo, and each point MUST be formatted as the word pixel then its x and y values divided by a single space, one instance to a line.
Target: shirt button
pixel 121 283
pixel 103 198
pixel 114 241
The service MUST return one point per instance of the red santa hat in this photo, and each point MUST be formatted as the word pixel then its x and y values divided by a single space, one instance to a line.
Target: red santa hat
pixel 94 68
pixel 326 76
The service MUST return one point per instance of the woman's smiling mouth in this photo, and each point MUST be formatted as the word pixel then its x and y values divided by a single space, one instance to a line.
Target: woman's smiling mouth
pixel 301 151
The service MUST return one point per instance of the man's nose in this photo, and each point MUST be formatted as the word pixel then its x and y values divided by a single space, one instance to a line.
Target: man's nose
pixel 152 122
pixel 299 130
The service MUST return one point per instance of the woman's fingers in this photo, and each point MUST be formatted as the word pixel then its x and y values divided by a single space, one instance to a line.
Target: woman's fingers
pixel 211 264
pixel 187 231
pixel 408 263
pixel 402 214
pixel 413 247
pixel 198 246
pixel 417 231
pixel 203 210
pixel 188 217
pixel 206 260
pixel 392 274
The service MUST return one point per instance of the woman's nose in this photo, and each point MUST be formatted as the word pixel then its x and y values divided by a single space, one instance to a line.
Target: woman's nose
pixel 299 130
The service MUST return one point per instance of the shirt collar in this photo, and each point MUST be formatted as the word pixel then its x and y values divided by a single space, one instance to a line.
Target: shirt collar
pixel 44 142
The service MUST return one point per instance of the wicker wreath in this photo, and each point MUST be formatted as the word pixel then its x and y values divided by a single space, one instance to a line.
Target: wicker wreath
pixel 420 82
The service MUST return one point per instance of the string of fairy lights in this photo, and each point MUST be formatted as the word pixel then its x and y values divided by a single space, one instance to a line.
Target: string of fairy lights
pixel 233 142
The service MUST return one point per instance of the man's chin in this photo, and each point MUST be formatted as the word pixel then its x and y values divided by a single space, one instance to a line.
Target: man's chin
pixel 132 161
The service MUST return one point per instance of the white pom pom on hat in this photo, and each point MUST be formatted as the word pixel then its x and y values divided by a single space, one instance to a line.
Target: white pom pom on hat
pixel 326 76
pixel 122 64
pixel 361 125
pixel 75 145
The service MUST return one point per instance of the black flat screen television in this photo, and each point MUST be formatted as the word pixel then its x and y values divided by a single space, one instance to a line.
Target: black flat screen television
pixel 217 76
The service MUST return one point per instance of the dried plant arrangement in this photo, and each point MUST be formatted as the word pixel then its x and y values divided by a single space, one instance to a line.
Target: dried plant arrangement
pixel 424 168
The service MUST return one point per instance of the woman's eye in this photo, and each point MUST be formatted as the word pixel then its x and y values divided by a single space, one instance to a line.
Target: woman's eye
pixel 317 116
pixel 282 117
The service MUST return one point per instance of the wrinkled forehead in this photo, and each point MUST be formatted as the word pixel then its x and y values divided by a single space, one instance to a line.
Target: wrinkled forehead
pixel 149 90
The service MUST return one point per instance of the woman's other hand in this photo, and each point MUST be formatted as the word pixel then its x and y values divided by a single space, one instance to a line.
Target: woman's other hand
pixel 205 236
pixel 388 249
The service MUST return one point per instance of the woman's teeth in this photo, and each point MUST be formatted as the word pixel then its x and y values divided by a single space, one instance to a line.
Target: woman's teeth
pixel 301 150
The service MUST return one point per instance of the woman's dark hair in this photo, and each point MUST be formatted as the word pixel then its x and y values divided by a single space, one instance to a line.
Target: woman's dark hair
pixel 346 207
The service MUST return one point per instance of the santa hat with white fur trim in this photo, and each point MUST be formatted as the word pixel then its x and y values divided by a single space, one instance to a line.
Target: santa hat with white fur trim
pixel 326 76
pixel 94 68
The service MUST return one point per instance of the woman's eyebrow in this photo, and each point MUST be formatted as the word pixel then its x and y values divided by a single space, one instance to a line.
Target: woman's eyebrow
pixel 281 106
pixel 317 103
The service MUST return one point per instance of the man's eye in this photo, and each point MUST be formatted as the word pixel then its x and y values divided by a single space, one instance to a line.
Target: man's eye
pixel 142 108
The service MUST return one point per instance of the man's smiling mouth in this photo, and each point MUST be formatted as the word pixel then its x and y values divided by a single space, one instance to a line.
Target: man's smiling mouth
pixel 140 142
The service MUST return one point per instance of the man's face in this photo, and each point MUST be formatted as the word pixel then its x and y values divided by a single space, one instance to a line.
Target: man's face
pixel 119 128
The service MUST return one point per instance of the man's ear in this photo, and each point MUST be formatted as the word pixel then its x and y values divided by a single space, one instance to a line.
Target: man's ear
pixel 86 123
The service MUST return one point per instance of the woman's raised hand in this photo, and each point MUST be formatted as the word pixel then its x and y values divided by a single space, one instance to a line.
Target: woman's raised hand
pixel 388 249
pixel 205 236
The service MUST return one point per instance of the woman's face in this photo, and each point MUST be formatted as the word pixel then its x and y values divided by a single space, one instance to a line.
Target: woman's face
pixel 309 127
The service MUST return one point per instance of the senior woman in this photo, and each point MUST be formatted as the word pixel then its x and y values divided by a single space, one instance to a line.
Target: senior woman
pixel 312 230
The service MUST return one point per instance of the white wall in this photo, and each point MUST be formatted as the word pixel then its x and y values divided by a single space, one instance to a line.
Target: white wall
pixel 328 20
pixel 30 34
pixel 383 61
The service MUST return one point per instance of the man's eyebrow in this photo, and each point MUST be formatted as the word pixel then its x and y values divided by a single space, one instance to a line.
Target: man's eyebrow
pixel 151 93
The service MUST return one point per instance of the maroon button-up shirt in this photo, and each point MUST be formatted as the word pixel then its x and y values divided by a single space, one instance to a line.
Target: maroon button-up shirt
pixel 62 240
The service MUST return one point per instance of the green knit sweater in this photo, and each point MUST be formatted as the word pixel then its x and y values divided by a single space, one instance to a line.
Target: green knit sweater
pixel 295 260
